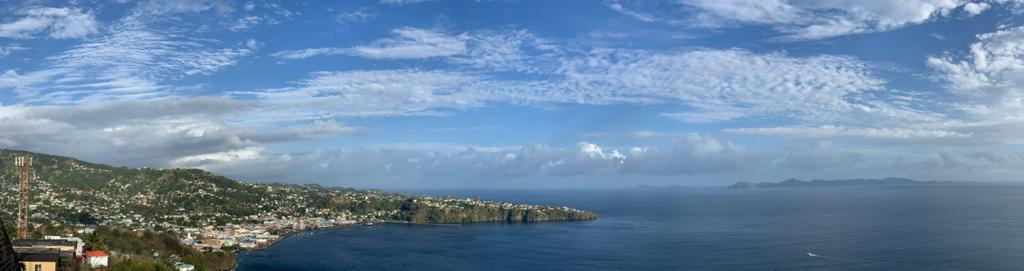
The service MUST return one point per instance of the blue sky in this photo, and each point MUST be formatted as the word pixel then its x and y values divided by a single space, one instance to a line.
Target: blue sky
pixel 413 93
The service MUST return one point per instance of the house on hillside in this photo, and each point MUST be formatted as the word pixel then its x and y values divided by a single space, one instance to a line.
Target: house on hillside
pixel 97 258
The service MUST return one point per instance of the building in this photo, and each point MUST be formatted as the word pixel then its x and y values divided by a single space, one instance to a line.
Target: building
pixel 180 266
pixel 97 258
pixel 57 244
pixel 47 254
pixel 8 258
pixel 79 244
pixel 40 259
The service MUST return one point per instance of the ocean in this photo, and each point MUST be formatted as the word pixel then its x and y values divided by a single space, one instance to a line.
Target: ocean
pixel 920 227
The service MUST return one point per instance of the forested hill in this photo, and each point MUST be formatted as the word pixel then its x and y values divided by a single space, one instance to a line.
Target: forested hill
pixel 71 190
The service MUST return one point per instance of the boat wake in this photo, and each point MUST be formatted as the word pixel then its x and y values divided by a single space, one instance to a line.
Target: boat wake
pixel 846 260
pixel 855 261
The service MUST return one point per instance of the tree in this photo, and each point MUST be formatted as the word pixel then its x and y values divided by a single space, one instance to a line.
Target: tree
pixel 92 241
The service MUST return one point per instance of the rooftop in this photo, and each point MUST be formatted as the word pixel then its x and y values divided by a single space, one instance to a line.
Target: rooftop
pixel 96 253
pixel 43 242
pixel 37 254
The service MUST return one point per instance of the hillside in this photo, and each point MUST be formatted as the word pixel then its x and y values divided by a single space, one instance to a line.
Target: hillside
pixel 75 191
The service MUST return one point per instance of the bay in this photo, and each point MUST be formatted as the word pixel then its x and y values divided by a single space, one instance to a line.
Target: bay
pixel 919 227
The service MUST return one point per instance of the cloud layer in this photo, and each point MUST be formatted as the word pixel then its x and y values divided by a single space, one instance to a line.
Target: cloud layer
pixel 279 92
pixel 810 20
pixel 57 23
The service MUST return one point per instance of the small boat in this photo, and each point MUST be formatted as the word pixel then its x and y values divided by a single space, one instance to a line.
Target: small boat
pixel 812 254
pixel 367 223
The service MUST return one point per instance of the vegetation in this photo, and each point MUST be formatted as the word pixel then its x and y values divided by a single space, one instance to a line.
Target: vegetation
pixel 142 211
pixel 147 250
pixel 74 191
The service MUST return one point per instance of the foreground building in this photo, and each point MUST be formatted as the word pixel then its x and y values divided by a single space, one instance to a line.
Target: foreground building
pixel 43 255
pixel 55 244
pixel 97 258
pixel 8 258
pixel 40 259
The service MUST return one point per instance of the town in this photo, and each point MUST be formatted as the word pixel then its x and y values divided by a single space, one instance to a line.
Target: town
pixel 70 201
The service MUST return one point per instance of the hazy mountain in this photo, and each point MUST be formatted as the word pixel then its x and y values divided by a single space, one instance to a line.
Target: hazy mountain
pixel 820 183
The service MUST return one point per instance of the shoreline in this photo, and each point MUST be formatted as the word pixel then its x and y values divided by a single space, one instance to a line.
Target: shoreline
pixel 290 234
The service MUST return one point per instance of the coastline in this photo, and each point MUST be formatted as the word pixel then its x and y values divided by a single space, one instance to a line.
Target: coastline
pixel 397 222
pixel 293 233
pixel 283 237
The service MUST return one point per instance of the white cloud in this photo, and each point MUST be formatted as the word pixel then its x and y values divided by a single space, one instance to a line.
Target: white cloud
pixel 511 50
pixel 975 8
pixel 58 23
pixel 163 7
pixel 246 23
pixel 376 93
pixel 833 131
pixel 132 50
pixel 995 60
pixel 617 6
pixel 408 43
pixel 722 85
pixel 691 154
pixel 307 53
pixel 397 165
pixel 984 86
pixel 253 15
pixel 129 61
pixel 807 20
pixel 152 133
pixel 717 85
pixel 355 16
pixel 413 43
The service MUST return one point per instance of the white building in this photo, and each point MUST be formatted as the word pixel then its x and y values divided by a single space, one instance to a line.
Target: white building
pixel 79 244
pixel 97 258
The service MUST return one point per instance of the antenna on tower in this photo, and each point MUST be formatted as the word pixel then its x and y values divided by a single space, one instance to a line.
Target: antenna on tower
pixel 24 166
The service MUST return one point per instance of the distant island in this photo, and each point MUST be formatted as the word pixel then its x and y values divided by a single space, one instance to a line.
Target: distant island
pixel 793 183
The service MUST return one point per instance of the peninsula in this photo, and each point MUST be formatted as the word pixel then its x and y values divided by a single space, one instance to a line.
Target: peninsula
pixel 210 213
pixel 794 183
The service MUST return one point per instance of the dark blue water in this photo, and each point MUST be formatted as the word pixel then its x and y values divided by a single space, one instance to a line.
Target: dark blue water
pixel 941 227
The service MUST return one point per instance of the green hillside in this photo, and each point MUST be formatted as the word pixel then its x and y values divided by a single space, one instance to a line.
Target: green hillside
pixel 68 190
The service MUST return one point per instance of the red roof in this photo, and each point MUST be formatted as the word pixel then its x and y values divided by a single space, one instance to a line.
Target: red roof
pixel 95 253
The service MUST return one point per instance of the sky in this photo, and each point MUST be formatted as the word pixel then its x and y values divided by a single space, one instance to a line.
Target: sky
pixel 521 94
